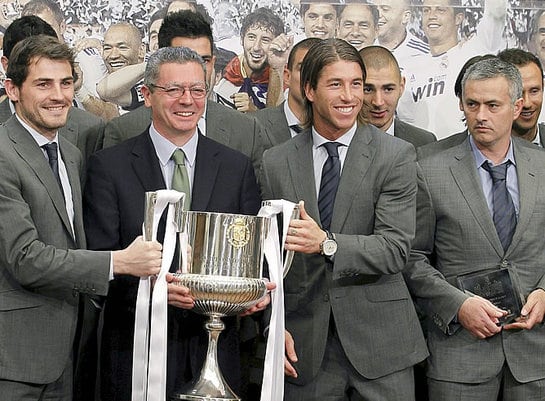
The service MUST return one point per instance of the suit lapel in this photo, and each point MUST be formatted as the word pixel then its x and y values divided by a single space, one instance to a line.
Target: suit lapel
pixel 70 159
pixel 146 164
pixel 214 127
pixel 206 170
pixel 356 166
pixel 301 175
pixel 27 148
pixel 526 175
pixel 465 175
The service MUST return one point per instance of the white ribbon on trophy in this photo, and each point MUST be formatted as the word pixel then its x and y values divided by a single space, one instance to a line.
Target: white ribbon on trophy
pixel 272 388
pixel 150 340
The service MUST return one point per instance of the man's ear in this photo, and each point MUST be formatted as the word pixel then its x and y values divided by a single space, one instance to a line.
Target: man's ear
pixel 4 61
pixel 11 90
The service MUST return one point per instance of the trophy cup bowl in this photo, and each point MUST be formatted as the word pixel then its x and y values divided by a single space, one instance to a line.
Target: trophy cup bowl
pixel 223 271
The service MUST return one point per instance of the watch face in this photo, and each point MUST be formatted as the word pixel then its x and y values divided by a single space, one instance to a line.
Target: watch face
pixel 329 247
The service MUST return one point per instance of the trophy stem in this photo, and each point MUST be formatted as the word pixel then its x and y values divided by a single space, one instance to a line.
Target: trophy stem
pixel 211 385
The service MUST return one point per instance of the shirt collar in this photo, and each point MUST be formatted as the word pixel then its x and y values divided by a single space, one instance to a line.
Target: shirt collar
pixel 480 158
pixel 290 117
pixel 391 128
pixel 345 139
pixel 164 148
pixel 39 138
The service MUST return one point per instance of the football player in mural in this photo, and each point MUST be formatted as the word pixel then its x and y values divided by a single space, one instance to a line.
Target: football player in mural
pixel 358 24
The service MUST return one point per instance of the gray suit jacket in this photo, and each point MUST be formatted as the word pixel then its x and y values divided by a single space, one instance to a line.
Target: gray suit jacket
pixel 224 125
pixel 373 220
pixel 456 230
pixel 41 273
pixel 414 135
pixel 275 126
pixel 83 129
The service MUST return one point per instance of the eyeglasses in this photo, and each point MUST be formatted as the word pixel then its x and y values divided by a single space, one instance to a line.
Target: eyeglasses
pixel 175 92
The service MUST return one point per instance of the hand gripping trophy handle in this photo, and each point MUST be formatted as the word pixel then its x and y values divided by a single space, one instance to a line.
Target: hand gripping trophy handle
pixel 288 257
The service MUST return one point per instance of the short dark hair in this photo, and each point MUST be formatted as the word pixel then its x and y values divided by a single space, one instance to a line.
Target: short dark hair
pixel 157 15
pixel 319 56
pixel 303 8
pixel 185 24
pixel 36 47
pixel 34 7
pixel 264 18
pixel 373 8
pixel 520 58
pixel 23 28
pixel 378 57
pixel 305 44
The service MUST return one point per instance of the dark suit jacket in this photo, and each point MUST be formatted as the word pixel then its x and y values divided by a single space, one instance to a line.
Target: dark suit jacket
pixel 373 220
pixel 41 272
pixel 224 125
pixel 275 126
pixel 118 177
pixel 83 129
pixel 414 135
pixel 455 227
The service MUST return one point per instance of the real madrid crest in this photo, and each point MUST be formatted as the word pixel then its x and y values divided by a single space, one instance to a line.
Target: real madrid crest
pixel 238 233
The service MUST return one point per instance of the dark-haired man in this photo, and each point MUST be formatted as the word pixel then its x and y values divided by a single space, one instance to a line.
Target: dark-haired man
pixel 44 268
pixel 245 83
pixel 352 330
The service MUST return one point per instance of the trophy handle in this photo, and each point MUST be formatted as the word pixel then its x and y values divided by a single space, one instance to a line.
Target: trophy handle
pixel 288 257
pixel 151 199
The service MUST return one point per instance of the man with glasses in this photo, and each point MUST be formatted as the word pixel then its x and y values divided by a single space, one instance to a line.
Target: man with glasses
pixel 219 179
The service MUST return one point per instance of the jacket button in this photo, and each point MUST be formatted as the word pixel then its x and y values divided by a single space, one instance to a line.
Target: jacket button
pixel 326 298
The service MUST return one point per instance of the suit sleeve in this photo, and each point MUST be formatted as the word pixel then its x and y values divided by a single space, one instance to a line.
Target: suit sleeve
pixel 35 264
pixel 439 299
pixel 385 250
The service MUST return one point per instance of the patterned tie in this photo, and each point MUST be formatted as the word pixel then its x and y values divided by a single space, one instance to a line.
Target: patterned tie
pixel 53 157
pixel 180 179
pixel 331 175
pixel 505 218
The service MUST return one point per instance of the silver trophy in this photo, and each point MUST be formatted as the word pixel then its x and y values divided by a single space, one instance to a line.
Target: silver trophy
pixel 223 271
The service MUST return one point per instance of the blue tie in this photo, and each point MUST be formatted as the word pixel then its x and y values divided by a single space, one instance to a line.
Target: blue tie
pixel 331 175
pixel 53 157
pixel 505 218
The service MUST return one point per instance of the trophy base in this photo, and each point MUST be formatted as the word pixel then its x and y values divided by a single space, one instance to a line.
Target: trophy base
pixel 206 390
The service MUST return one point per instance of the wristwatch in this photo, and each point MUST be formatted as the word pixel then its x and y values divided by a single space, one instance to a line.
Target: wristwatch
pixel 329 246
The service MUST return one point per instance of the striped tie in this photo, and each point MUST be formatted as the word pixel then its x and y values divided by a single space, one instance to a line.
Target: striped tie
pixel 505 218
pixel 331 175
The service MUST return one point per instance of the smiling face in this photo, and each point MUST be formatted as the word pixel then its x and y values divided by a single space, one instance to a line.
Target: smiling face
pixel 440 23
pixel 356 26
pixel 45 97
pixel 121 47
pixel 382 90
pixel 320 21
pixel 489 111
pixel 337 98
pixel 532 95
pixel 176 119
pixel 256 42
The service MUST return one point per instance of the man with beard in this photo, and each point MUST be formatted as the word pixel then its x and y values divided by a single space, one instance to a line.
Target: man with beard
pixel 384 85
pixel 245 83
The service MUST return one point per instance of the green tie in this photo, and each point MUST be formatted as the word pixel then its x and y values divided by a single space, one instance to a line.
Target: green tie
pixel 180 179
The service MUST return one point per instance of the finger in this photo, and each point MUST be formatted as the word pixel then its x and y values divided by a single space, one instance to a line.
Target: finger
pixel 270 285
pixel 289 370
